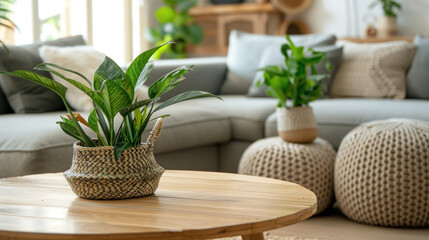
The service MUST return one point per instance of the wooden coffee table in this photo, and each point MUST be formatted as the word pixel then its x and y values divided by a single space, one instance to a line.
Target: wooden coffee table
pixel 187 205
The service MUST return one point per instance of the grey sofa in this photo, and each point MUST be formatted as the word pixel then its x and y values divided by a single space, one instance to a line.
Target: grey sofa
pixel 202 134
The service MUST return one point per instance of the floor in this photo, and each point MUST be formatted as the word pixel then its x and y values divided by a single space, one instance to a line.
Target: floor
pixel 334 225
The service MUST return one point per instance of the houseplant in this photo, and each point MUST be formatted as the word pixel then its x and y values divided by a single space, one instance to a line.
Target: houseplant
pixel 175 25
pixel 295 119
pixel 387 25
pixel 115 164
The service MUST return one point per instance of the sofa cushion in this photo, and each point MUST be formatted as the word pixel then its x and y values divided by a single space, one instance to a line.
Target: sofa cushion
pixel 207 76
pixel 188 126
pixel 25 96
pixel 247 115
pixel 245 50
pixel 418 75
pixel 337 117
pixel 273 56
pixel 373 70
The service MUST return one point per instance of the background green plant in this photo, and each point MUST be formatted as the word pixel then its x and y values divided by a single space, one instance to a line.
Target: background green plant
pixel 5 12
pixel 112 93
pixel 390 7
pixel 175 25
pixel 293 82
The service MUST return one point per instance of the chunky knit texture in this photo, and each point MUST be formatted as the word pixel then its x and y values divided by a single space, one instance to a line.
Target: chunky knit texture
pixel 373 70
pixel 382 173
pixel 310 165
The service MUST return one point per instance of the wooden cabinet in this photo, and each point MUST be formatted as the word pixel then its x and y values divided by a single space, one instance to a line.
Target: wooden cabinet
pixel 219 20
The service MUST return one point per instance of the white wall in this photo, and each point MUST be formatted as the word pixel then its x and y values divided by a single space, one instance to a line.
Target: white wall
pixel 345 18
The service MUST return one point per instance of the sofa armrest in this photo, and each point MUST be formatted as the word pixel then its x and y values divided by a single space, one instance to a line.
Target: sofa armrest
pixel 208 75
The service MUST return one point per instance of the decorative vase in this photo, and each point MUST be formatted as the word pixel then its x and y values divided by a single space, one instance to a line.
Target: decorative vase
pixel 297 124
pixel 96 174
pixel 387 26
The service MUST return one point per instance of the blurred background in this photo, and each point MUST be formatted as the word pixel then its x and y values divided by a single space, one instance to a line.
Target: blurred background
pixel 124 28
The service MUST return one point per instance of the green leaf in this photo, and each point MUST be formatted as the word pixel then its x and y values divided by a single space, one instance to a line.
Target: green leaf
pixel 312 59
pixel 165 14
pixel 136 67
pixel 39 79
pixel 195 33
pixel 93 124
pixel 168 82
pixel 318 77
pixel 184 97
pixel 62 68
pixel 108 70
pixel 103 124
pixel 171 3
pixel 284 49
pixel 137 115
pixel 275 70
pixel 70 130
pixel 162 116
pixel 130 108
pixel 115 98
pixel 4 46
pixel 144 75
pixel 92 121
pixel 185 5
pixel 95 97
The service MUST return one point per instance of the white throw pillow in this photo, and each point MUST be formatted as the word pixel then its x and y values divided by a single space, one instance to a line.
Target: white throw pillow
pixel 373 70
pixel 83 59
pixel 245 50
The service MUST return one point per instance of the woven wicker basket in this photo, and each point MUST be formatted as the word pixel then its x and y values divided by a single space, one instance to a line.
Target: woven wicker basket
pixel 95 174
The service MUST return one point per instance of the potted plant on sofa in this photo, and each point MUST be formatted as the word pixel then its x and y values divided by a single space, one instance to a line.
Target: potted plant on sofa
pixel 387 25
pixel 175 24
pixel 295 118
pixel 116 164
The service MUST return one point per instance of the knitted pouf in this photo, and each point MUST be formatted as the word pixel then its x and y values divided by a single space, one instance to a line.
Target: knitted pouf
pixel 382 173
pixel 310 165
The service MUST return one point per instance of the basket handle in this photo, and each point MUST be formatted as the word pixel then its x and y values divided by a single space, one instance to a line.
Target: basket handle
pixel 156 131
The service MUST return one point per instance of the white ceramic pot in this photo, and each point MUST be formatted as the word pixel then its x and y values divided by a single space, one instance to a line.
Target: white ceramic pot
pixel 387 26
pixel 296 125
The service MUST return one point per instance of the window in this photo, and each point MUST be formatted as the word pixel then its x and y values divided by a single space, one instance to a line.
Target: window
pixel 111 26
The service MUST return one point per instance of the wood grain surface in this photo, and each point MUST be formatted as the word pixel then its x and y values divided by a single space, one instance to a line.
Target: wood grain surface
pixel 187 205
pixel 232 9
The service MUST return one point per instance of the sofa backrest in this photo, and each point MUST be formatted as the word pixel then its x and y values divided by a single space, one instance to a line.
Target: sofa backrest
pixel 24 96
pixel 245 51
pixel 208 74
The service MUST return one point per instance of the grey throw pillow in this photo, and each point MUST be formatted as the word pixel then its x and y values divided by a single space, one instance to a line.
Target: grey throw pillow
pixel 418 75
pixel 24 96
pixel 273 56
pixel 246 49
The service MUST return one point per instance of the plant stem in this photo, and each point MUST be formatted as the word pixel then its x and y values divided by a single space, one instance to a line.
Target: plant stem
pixel 88 141
pixel 112 130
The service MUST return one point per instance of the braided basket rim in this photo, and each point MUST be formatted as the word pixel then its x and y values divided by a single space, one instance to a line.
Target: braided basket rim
pixel 69 174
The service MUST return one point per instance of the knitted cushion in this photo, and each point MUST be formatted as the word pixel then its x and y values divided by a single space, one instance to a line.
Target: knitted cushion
pixel 373 70
pixel 310 165
pixel 382 173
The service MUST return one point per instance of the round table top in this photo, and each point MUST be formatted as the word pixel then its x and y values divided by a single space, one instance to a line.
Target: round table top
pixel 187 204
